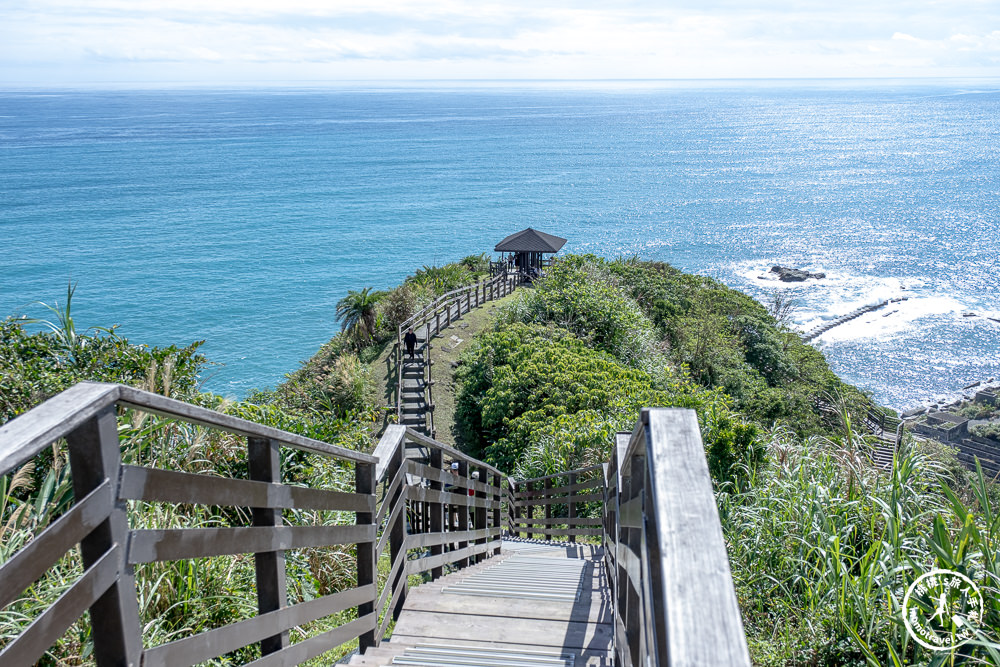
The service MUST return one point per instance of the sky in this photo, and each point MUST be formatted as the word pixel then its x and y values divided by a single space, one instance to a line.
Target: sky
pixel 63 42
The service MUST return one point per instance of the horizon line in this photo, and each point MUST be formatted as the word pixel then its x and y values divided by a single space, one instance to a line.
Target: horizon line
pixel 412 82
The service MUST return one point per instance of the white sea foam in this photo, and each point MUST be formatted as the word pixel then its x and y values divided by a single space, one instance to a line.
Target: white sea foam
pixel 840 293
pixel 895 318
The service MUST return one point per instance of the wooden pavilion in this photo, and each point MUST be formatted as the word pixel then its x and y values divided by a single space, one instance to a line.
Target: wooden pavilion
pixel 526 250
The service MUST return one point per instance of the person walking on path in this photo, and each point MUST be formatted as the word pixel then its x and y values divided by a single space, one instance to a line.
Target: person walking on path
pixel 410 339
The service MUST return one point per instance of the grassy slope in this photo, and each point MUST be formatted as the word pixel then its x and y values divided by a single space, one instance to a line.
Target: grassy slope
pixel 469 326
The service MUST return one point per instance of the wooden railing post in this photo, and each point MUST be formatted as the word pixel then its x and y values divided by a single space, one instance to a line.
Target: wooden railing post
pixel 364 483
pixel 463 509
pixel 572 506
pixel 515 509
pixel 530 510
pixel 498 499
pixel 428 386
pixel 548 507
pixel 436 511
pixel 397 530
pixel 481 512
pixel 95 456
pixel 264 463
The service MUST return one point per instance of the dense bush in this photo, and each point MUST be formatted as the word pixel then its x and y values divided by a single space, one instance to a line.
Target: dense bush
pixel 991 431
pixel 823 547
pixel 541 392
pixel 37 366
pixel 728 340
pixel 581 295
pixel 333 381
pixel 441 279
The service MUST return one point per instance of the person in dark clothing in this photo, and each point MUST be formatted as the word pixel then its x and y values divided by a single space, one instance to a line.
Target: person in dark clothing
pixel 410 340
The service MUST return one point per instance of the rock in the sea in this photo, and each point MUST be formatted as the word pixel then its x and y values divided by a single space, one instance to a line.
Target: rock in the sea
pixel 788 275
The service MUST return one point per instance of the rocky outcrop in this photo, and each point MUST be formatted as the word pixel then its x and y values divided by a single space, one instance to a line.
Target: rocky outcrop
pixel 788 275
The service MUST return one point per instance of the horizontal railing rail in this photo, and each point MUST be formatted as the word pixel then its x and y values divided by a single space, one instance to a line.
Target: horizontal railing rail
pixel 440 509
pixel 99 520
pixel 550 506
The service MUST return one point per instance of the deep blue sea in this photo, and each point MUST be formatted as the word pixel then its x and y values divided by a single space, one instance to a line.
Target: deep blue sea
pixel 241 216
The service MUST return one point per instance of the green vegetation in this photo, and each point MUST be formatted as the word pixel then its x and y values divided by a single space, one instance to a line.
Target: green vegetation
pixel 991 431
pixel 179 598
pixel 357 314
pixel 823 548
pixel 974 410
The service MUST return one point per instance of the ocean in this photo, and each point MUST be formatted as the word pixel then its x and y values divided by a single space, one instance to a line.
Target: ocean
pixel 242 216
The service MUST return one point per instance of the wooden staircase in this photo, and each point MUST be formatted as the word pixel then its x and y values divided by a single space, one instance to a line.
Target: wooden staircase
pixel 414 385
pixel 538 604
pixel 647 580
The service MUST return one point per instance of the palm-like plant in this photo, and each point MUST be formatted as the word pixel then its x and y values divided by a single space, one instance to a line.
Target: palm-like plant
pixel 63 328
pixel 357 314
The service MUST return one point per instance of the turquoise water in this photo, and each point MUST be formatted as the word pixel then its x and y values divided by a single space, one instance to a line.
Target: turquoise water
pixel 241 217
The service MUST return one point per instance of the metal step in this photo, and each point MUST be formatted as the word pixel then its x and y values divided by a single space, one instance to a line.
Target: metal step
pixel 432 655
pixel 526 577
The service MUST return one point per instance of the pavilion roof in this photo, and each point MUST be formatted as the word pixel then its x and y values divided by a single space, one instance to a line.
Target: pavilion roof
pixel 530 240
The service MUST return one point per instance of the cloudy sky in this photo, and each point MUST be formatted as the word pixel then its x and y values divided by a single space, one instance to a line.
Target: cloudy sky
pixel 287 41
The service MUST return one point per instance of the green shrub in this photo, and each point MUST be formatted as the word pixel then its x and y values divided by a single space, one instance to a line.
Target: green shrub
pixel 991 431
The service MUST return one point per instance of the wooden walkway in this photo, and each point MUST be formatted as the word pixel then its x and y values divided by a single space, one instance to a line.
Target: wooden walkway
pixel 537 603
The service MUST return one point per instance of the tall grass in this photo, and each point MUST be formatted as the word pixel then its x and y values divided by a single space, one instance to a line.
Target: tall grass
pixel 823 547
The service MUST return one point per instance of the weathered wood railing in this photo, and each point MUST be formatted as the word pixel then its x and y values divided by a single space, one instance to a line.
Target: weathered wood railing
pixel 654 510
pixel 99 521
pixel 665 555
pixel 439 315
pixel 439 508
pixel 551 506
pixel 419 506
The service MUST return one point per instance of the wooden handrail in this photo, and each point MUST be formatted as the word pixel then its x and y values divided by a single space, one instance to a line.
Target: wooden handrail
pixel 675 603
pixel 434 508
pixel 86 415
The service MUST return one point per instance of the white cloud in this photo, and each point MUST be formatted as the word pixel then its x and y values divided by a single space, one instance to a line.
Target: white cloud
pixel 264 40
